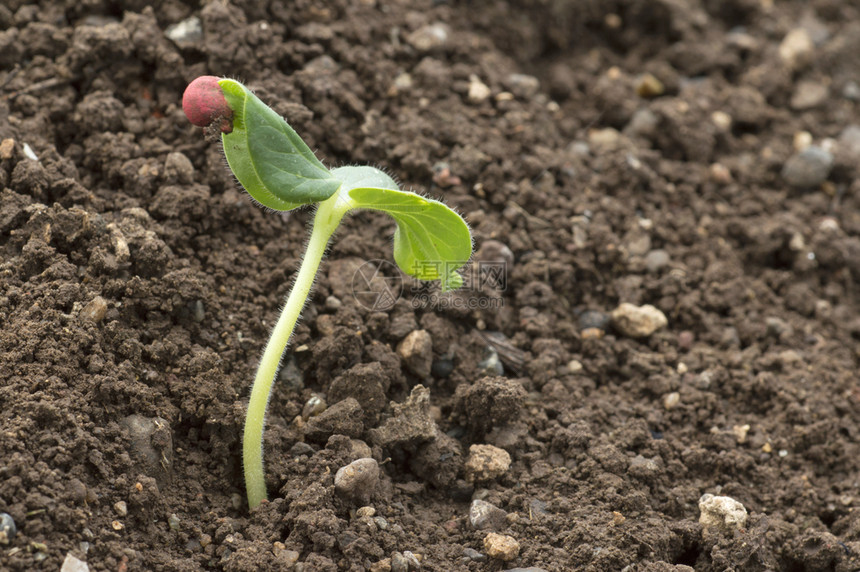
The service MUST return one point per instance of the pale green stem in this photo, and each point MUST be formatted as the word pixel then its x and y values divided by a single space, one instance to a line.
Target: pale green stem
pixel 328 216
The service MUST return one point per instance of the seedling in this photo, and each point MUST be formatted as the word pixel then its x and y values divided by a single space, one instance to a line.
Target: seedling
pixel 277 168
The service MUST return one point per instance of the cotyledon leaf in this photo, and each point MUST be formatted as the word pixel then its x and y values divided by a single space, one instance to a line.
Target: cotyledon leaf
pixel 268 157
pixel 431 241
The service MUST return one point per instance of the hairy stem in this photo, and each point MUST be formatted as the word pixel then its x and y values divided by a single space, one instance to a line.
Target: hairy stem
pixel 327 218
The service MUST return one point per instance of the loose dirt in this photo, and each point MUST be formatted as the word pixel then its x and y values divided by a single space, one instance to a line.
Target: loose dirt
pixel 642 152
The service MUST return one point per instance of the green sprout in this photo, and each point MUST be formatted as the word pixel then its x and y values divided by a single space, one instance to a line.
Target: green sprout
pixel 277 168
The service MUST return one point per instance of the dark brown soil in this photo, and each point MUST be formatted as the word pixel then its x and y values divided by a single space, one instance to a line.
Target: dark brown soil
pixel 138 285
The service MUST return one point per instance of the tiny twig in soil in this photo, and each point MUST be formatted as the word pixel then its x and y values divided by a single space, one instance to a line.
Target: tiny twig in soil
pixel 10 76
pixel 512 357
pixel 38 86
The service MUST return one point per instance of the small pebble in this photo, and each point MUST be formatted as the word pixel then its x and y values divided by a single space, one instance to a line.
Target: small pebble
pixel 483 515
pixel 740 432
pixel 796 48
pixel 501 546
pixel 7 148
pixel 403 82
pixel 313 407
pixel 649 86
pixel 399 563
pixel 8 530
pixel 656 260
pixel 358 479
pixel 173 522
pixel 809 168
pixel 801 140
pixel 473 554
pixel 416 350
pixel 95 310
pixel 412 560
pixel 73 564
pixel 671 400
pixel 486 462
pixel 365 511
pixel 429 37
pixel 287 559
pixel 478 90
pixel 809 95
pixel 638 321
pixel 722 120
pixel 723 513
pixel 121 508
pixel 606 139
pixel 719 173
pixel 185 33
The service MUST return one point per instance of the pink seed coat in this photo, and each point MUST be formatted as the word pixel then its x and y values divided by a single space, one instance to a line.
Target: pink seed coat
pixel 203 103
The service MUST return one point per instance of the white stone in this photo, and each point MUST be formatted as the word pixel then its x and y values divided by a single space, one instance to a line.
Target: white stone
pixel 722 513
pixel 417 352
pixel 478 90
pixel 429 37
pixel 796 48
pixel 638 321
pixel 72 564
